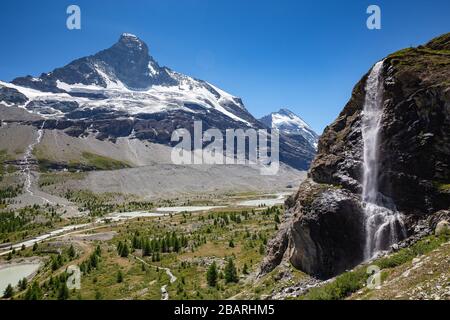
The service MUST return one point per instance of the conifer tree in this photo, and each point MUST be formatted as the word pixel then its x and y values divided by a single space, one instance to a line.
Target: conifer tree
pixel 125 251
pixel 71 252
pixel 63 291
pixel 9 292
pixel 34 292
pixel 211 275
pixel 245 269
pixel 119 277
pixel 231 272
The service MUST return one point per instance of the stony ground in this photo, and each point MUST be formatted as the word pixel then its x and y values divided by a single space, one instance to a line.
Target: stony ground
pixel 426 277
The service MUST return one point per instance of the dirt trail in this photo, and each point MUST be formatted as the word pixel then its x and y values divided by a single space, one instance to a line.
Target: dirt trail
pixel 172 278
pixel 87 251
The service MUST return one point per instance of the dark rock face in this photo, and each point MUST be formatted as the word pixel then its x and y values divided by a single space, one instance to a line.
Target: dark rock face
pixel 277 247
pixel 416 135
pixel 52 105
pixel 327 237
pixel 326 234
pixel 128 60
pixel 339 156
pixel 158 127
pixel 10 95
pixel 322 234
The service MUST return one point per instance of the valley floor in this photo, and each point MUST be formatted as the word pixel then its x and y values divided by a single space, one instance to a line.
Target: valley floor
pixel 171 243
pixel 183 246
pixel 170 252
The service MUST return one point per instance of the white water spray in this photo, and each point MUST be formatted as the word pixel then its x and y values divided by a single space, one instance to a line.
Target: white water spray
pixel 27 162
pixel 383 222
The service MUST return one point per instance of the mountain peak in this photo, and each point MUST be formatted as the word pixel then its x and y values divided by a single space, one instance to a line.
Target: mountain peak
pixel 128 60
pixel 291 124
pixel 129 35
pixel 132 41
pixel 285 111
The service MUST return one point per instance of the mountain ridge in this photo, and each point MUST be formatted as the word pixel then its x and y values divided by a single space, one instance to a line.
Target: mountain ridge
pixel 123 92
pixel 291 124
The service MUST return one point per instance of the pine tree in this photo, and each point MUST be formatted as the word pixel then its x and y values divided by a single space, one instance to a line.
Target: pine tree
pixel 261 249
pixel 176 245
pixel 63 291
pixel 9 292
pixel 136 243
pixel 211 275
pixel 119 277
pixel 245 269
pixel 146 250
pixel 93 261
pixel 277 219
pixel 34 292
pixel 23 284
pixel 122 249
pixel 57 262
pixel 125 251
pixel 35 246
pixel 230 272
pixel 119 248
pixel 71 252
pixel 98 295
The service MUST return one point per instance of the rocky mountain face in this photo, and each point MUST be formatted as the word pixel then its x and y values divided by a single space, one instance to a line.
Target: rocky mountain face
pixel 123 92
pixel 324 232
pixel 291 125
pixel 127 61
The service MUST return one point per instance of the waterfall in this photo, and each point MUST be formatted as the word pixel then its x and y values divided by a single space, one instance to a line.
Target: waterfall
pixel 383 223
pixel 27 158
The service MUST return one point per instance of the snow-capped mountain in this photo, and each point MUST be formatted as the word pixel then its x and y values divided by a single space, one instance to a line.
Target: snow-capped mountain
pixel 291 124
pixel 123 78
pixel 123 92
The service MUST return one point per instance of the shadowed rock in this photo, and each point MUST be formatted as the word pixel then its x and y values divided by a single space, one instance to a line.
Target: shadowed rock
pixel 325 235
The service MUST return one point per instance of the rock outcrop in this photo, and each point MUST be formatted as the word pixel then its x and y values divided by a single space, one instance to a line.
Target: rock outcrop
pixel 325 232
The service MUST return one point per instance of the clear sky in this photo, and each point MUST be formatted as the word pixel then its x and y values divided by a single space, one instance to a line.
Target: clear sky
pixel 303 55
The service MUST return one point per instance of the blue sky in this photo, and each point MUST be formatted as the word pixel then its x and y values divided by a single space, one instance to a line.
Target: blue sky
pixel 303 55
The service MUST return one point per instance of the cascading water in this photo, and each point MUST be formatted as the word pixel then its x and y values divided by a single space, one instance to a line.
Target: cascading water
pixel 27 158
pixel 383 223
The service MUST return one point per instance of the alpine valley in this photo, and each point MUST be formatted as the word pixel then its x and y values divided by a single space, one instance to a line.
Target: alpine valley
pixel 88 187
pixel 117 110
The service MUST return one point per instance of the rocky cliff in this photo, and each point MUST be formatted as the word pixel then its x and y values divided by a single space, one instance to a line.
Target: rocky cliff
pixel 323 233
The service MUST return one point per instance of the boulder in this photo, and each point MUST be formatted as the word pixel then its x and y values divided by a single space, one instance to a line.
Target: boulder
pixel 443 227
pixel 327 235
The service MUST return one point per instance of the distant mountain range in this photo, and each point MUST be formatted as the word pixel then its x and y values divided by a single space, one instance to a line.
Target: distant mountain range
pixel 291 125
pixel 123 92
